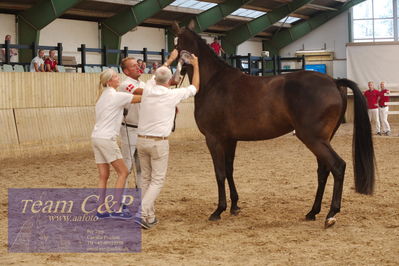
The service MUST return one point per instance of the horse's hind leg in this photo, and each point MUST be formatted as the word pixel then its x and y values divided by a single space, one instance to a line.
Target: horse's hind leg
pixel 217 151
pixel 322 174
pixel 327 156
pixel 338 171
pixel 230 154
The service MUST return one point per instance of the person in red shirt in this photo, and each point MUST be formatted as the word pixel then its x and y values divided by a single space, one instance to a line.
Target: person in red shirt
pixel 383 109
pixel 372 96
pixel 217 47
pixel 51 62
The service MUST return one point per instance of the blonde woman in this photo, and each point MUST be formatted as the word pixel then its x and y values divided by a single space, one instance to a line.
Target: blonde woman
pixel 109 115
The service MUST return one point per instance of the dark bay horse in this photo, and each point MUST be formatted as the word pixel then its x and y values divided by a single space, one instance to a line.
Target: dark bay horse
pixel 232 106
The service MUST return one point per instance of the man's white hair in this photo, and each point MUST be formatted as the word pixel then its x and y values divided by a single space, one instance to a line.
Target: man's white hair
pixel 163 75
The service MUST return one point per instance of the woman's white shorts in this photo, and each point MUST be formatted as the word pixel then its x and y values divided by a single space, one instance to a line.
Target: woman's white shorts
pixel 105 150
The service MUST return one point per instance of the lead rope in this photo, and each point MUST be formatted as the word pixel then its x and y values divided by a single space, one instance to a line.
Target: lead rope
pixel 132 162
pixel 174 120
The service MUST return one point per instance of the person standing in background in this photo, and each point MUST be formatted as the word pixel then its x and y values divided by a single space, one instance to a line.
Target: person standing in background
pixel 372 101
pixel 13 52
pixel 217 47
pixel 383 109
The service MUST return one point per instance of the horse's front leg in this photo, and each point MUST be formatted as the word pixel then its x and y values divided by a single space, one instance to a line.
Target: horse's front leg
pixel 218 156
pixel 229 155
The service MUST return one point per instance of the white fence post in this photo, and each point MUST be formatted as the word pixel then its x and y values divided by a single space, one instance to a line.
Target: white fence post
pixel 392 103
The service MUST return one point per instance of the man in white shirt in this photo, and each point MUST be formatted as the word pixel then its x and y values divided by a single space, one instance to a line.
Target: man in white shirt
pixel 157 111
pixel 37 64
pixel 128 133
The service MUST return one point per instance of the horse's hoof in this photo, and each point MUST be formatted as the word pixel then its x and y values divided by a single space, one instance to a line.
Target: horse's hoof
pixel 330 222
pixel 214 217
pixel 310 217
pixel 235 211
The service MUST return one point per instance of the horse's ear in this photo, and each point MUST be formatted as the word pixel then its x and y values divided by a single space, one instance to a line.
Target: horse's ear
pixel 175 28
pixel 191 24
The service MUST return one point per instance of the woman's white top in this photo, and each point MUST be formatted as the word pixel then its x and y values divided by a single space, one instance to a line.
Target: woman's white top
pixel 109 113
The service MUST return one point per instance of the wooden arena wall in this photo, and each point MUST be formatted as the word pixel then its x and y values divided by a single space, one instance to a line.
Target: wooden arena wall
pixel 48 113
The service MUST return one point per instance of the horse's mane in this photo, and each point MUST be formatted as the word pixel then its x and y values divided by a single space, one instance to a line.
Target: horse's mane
pixel 203 45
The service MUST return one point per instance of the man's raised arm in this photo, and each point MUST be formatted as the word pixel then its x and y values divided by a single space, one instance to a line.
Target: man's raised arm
pixel 196 75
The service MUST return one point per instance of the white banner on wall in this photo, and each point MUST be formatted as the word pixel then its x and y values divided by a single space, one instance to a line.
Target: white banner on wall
pixel 373 63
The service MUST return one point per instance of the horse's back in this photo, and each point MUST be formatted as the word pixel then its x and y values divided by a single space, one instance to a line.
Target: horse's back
pixel 302 93
pixel 253 108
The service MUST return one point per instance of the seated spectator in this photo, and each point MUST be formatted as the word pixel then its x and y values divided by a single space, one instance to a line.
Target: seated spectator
pixel 141 65
pixel 144 66
pixel 37 64
pixel 13 52
pixel 155 65
pixel 51 62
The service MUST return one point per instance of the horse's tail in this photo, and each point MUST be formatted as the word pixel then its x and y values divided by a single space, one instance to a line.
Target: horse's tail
pixel 362 145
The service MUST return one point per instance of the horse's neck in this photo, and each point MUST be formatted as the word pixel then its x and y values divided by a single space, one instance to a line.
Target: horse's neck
pixel 209 67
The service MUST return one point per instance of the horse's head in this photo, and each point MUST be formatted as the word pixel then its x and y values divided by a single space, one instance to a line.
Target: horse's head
pixel 185 38
pixel 186 44
pixel 181 69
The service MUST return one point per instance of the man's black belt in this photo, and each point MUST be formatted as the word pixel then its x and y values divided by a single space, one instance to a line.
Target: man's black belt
pixel 128 125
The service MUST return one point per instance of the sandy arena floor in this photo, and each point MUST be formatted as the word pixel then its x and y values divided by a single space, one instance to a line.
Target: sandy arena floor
pixel 276 181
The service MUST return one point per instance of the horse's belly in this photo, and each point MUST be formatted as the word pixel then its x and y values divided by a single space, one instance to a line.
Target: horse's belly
pixel 258 131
